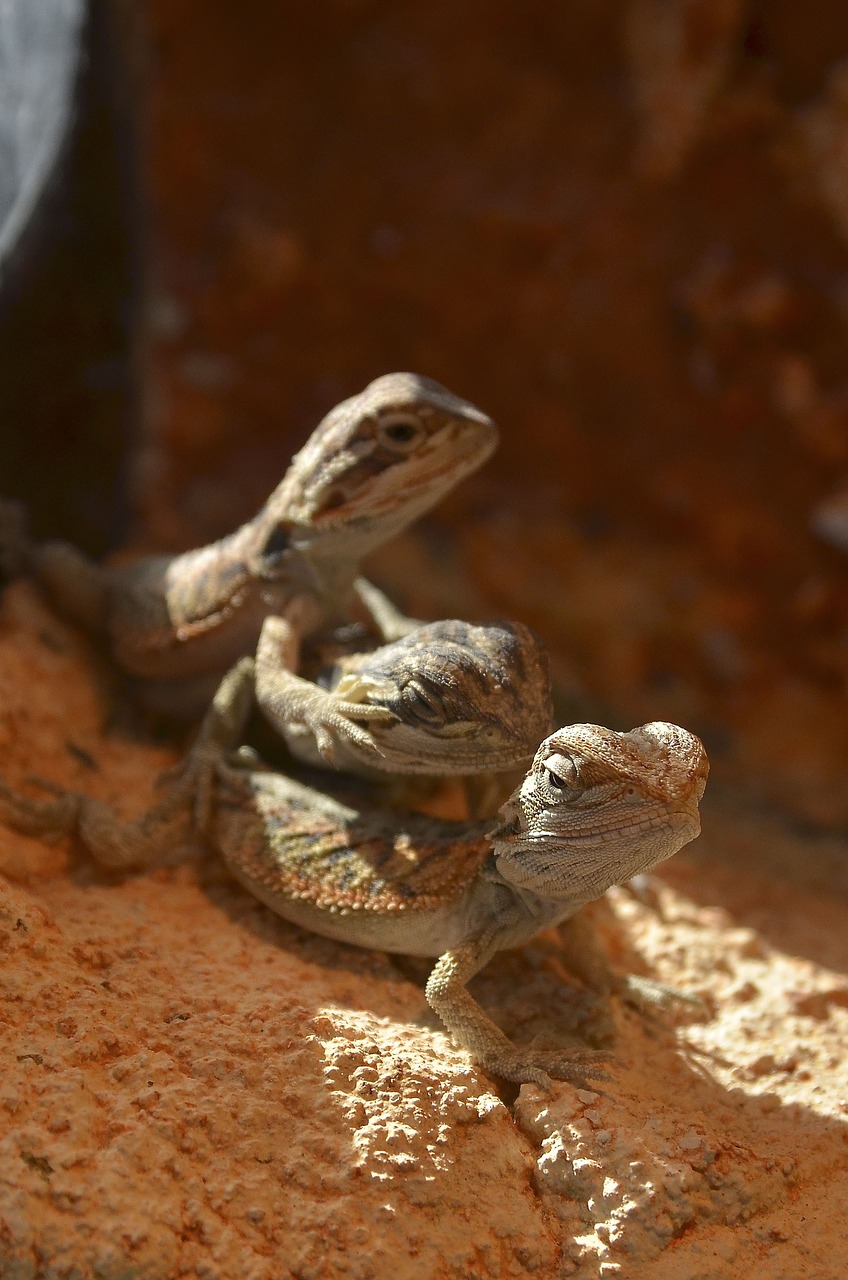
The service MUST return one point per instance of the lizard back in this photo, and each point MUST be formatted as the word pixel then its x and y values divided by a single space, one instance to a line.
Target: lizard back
pixel 303 846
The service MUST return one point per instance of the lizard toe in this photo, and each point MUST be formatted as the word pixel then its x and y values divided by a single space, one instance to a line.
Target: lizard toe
pixel 369 712
pixel 335 730
pixel 354 733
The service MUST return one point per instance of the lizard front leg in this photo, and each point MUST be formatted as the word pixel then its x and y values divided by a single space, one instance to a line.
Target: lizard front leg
pixel 446 993
pixel 289 702
pixel 220 733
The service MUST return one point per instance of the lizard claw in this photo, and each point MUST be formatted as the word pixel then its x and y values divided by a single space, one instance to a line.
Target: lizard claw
pixel 337 731
pixel 336 725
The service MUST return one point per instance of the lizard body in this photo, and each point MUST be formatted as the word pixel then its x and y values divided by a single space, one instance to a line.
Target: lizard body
pixel 595 808
pixel 374 464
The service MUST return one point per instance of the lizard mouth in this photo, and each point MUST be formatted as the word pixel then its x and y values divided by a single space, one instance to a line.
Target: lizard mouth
pixel 411 751
pixel 579 865
pixel 673 821
pixel 685 820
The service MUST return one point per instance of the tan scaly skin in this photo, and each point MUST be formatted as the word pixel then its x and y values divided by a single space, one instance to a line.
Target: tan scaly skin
pixel 177 623
pixel 595 808
pixel 458 699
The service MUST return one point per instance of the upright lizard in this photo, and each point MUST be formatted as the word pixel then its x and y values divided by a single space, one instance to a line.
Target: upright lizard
pixel 596 807
pixel 373 465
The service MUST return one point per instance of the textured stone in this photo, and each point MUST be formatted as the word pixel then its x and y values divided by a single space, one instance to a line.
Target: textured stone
pixel 190 1086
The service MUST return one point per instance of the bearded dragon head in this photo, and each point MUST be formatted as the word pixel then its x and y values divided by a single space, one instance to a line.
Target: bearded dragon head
pixel 598 807
pixel 376 462
pixel 465 699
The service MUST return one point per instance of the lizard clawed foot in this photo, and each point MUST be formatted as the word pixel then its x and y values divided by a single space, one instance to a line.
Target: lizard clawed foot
pixel 334 722
pixel 541 1066
pixel 191 784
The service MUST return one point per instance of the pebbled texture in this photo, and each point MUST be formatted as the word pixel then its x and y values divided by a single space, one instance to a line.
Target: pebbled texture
pixel 192 1085
pixel 379 863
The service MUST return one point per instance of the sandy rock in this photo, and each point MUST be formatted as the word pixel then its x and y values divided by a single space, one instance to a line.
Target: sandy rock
pixel 190 1086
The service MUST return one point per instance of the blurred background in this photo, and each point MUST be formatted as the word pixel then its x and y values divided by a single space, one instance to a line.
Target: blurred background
pixel 619 226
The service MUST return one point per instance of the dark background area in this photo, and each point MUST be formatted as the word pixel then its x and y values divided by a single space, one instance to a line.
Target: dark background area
pixel 69 307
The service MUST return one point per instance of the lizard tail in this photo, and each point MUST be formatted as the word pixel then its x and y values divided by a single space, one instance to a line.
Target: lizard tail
pixel 76 585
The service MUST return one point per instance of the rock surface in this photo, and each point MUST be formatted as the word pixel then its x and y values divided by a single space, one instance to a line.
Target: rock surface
pixel 190 1086
pixel 621 228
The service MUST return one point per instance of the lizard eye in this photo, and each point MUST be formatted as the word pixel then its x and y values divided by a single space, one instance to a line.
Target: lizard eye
pixel 400 432
pixel 562 776
pixel 421 706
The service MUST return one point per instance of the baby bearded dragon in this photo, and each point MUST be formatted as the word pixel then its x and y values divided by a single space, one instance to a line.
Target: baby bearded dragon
pixel 457 698
pixel 373 465
pixel 596 807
